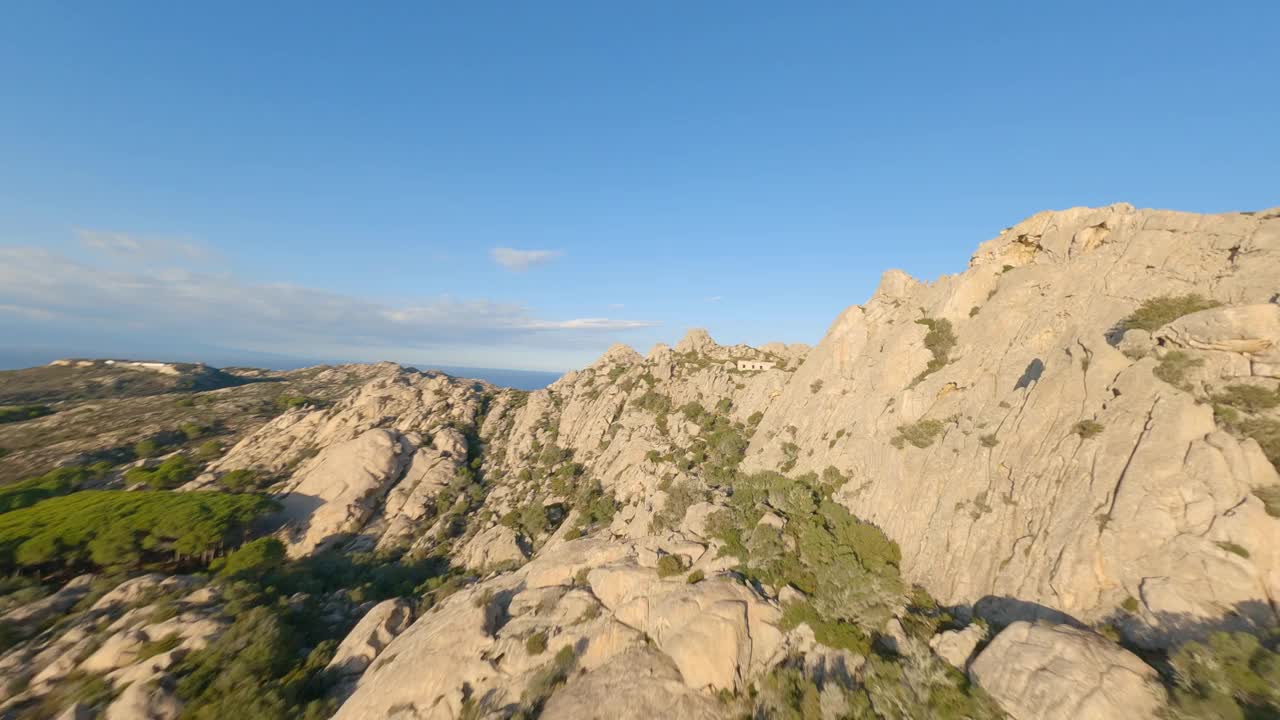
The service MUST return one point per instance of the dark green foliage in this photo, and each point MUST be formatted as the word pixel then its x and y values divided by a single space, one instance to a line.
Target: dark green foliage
pixel 989 441
pixel 171 473
pixel 920 433
pixel 285 401
pixel 18 413
pixel 1248 398
pixel 755 418
pixel 536 644
pixel 253 559
pixel 1231 675
pixel 1270 497
pixel 1234 548
pixel 1087 428
pixel 920 685
pixel 1266 431
pixel 848 568
pixel 1174 366
pixel 146 448
pixel 940 341
pixel 151 648
pixel 208 450
pixel 669 565
pixel 1160 311
pixel 544 684
pixel 1130 604
pixel 679 498
pixel 239 480
pixel 654 402
pixel 255 670
pixel 724 405
pixel 191 431
pixel 51 484
pixel 98 528
pixel 695 577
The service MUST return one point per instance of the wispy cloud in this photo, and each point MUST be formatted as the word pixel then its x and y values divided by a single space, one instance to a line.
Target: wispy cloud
pixel 521 260
pixel 134 247
pixel 67 296
pixel 715 298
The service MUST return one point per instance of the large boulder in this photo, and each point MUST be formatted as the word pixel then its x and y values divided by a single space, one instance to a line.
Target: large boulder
pixel 336 492
pixel 371 635
pixel 1057 672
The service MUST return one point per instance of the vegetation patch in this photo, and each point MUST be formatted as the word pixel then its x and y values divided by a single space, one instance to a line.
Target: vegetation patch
pixel 989 440
pixel 669 565
pixel 940 340
pixel 1247 398
pixel 1270 497
pixel 1087 429
pixel 114 528
pixel 174 471
pixel 18 413
pixel 847 569
pixel 921 433
pixel 1157 312
pixel 1174 366
pixel 1234 548
pixel 51 484
pixel 536 644
pixel 1230 675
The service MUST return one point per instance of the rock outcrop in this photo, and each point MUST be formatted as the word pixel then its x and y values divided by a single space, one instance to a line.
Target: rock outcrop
pixel 1056 672
pixel 1034 461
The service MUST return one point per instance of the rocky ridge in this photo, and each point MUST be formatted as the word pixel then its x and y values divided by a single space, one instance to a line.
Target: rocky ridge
pixel 1057 474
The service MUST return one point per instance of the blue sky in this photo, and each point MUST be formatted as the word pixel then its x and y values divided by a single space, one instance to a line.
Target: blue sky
pixel 331 180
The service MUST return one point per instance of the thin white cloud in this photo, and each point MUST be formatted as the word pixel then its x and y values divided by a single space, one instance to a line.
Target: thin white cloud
pixel 128 245
pixel 63 295
pixel 521 260
pixel 715 298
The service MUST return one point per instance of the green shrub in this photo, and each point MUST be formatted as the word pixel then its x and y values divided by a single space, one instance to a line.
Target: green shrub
pixel 171 473
pixel 921 433
pixel 724 405
pixel 848 568
pixel 940 341
pixel 18 413
pixel 1173 368
pixel 755 418
pixel 989 440
pixel 1248 398
pixel 1266 432
pixel 695 577
pixel 1130 604
pixel 815 386
pixel 536 644
pixel 1160 311
pixel 191 431
pixel 669 565
pixel 146 448
pixel 679 498
pixel 239 480
pixel 152 648
pixel 253 559
pixel 544 684
pixel 1270 497
pixel 654 402
pixel 286 401
pixel 208 450
pixel 1230 675
pixel 1234 549
pixel 1087 428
